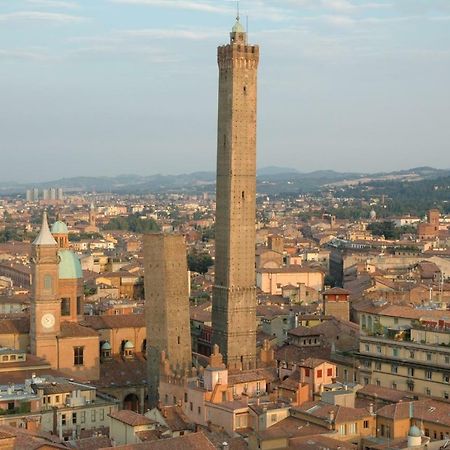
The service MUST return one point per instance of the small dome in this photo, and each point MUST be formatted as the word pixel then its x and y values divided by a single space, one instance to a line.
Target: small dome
pixel 59 227
pixel 69 266
pixel 238 28
pixel 128 345
pixel 414 432
pixel 106 346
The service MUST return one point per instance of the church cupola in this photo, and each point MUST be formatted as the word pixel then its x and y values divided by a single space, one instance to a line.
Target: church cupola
pixel 128 350
pixel 106 350
pixel 61 234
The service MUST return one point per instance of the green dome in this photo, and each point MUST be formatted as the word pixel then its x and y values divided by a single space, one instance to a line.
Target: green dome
pixel 238 28
pixel 106 346
pixel 59 228
pixel 128 345
pixel 414 432
pixel 69 267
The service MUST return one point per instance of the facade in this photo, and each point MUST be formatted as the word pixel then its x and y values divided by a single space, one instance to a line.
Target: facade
pixel 234 294
pixel 271 281
pixel 416 360
pixel 57 307
pixel 167 307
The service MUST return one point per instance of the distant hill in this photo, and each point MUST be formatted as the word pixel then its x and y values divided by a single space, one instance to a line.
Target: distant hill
pixel 271 180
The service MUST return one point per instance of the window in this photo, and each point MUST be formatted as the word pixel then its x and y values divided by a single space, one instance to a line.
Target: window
pixel 411 355
pixel 306 372
pixel 394 385
pixel 57 399
pixel 366 381
pixel 367 364
pixel 378 348
pixel 78 356
pixel 352 428
pixel 93 418
pixel 428 391
pixel 396 320
pixel 428 356
pixel 48 282
pixel 199 410
pixel 446 396
pixel 428 374
pixel 378 382
pixel 342 430
pixel 446 378
pixel 377 366
pixel 394 368
pixel 319 374
pixel 191 406
pixel 329 372
pixel 366 424
pixel 102 414
pixel 83 416
pixel 447 360
pixel 367 347
pixel 63 419
pixel 79 305
pixel 65 306
pixel 273 418
pixel 185 397
pixel 74 418
pixel 395 352
pixel 410 371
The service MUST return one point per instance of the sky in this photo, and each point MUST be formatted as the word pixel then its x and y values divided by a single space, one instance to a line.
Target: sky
pixel 108 87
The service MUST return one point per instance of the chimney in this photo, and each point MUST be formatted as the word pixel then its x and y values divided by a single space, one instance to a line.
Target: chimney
pixel 371 409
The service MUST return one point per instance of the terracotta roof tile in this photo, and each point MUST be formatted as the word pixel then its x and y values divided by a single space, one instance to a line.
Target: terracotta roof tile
pixel 131 418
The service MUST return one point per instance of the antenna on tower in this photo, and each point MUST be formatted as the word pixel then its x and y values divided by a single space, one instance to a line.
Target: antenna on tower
pixel 237 11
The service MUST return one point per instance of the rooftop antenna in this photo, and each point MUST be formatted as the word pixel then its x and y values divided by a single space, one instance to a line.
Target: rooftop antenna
pixel 237 9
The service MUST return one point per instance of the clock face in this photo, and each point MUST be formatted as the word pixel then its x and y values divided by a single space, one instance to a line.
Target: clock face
pixel 48 320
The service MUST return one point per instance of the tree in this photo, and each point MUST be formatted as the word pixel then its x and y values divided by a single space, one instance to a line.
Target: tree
pixel 199 262
pixel 134 223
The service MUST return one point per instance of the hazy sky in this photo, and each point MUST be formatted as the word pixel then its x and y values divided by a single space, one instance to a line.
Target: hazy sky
pixel 106 87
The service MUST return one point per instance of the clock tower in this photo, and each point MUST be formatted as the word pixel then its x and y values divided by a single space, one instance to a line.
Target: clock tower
pixel 46 305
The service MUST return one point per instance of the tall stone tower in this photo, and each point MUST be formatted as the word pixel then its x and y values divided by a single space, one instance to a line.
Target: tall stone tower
pixel 234 295
pixel 167 308
pixel 45 305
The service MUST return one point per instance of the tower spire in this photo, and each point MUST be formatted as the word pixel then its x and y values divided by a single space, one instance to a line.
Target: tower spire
pixel 44 237
pixel 237 11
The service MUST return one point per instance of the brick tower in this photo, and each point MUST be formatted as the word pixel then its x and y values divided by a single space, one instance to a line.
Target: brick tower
pixel 167 308
pixel 234 295
pixel 45 305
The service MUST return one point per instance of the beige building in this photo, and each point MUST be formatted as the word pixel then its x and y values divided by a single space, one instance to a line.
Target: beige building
pixel 414 358
pixel 271 281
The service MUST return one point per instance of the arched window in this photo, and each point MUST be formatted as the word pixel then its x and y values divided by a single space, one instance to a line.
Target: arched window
pixel 48 282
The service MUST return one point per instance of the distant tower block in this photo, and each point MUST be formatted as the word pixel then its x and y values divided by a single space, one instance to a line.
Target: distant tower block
pixel 336 303
pixel 234 294
pixel 433 218
pixel 276 243
pixel 167 307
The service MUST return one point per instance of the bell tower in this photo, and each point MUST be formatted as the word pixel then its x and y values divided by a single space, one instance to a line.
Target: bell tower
pixel 45 305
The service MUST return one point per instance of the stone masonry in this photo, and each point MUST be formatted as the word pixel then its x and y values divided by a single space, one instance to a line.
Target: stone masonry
pixel 234 295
